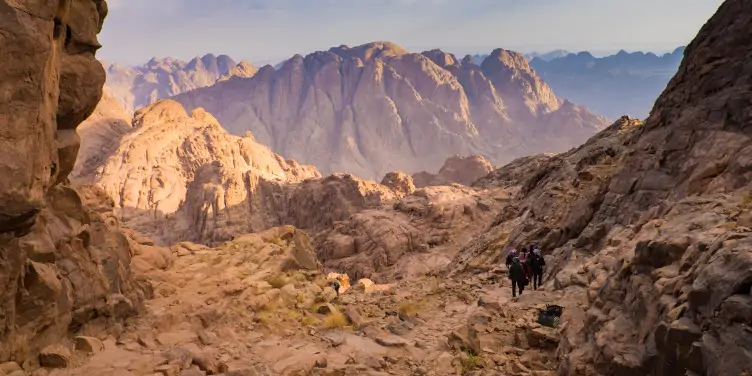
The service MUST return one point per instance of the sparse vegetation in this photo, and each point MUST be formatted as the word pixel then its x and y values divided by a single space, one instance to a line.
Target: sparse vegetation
pixel 265 318
pixel 277 281
pixel 278 241
pixel 309 320
pixel 469 363
pixel 335 320
pixel 408 309
pixel 747 201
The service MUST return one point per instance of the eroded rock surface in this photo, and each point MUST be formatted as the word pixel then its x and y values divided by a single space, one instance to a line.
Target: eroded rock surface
pixel 456 169
pixel 64 263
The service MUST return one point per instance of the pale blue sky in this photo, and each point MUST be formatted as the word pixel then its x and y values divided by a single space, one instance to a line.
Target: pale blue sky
pixel 272 30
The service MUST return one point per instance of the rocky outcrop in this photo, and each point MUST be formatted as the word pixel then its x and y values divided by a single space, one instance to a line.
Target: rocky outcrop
pixel 189 169
pixel 64 263
pixel 100 136
pixel 137 87
pixel 377 108
pixel 647 226
pixel 417 235
pixel 456 169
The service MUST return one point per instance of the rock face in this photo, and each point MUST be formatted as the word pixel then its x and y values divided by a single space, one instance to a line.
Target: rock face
pixel 648 226
pixel 378 108
pixel 100 136
pixel 137 87
pixel 171 162
pixel 64 263
pixel 456 169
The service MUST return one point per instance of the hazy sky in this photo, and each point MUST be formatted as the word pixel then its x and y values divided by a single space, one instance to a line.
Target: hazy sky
pixel 272 30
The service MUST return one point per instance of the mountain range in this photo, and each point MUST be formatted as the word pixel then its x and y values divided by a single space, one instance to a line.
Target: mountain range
pixel 621 84
pixel 160 244
pixel 376 108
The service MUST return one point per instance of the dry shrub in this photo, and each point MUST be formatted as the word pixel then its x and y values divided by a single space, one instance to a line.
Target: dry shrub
pixel 277 281
pixel 335 320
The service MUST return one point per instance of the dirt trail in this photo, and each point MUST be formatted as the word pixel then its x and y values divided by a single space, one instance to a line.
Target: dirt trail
pixel 246 309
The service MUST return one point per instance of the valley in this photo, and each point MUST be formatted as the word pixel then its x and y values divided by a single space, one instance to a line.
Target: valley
pixel 350 213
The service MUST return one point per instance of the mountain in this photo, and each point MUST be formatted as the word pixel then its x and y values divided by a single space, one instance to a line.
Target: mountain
pixel 137 87
pixel 623 83
pixel 376 108
pixel 548 56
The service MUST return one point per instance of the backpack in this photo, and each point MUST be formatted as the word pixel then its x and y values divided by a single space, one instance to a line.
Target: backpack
pixel 550 316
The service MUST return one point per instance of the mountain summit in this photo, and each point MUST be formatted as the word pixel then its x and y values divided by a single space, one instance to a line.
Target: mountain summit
pixel 376 108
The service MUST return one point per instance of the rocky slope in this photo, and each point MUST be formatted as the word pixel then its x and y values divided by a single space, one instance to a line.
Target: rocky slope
pixel 137 87
pixel 648 226
pixel 171 163
pixel 623 83
pixel 100 137
pixel 456 169
pixel 64 262
pixel 376 108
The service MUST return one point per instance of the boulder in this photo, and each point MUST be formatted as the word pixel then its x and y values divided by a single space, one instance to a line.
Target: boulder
pixel 55 356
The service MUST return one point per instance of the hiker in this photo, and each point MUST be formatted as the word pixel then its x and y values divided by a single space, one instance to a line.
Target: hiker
pixel 516 274
pixel 525 261
pixel 512 254
pixel 335 286
pixel 537 263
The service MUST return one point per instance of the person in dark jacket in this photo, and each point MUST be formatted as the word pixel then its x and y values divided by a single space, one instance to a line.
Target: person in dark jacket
pixel 517 275
pixel 537 264
pixel 512 254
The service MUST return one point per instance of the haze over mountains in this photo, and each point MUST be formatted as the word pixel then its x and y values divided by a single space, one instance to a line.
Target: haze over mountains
pixel 161 244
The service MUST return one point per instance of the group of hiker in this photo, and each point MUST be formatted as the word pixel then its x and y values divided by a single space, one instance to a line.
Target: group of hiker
pixel 525 265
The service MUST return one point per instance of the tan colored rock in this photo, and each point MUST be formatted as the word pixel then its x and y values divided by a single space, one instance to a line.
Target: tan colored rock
pixel 88 344
pixel 100 136
pixel 189 168
pixel 466 339
pixel 377 108
pixel 9 367
pixel 55 356
pixel 399 182
pixel 65 244
pixel 456 169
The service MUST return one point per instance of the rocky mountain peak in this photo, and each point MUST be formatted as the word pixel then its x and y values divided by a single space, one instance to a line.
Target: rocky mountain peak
pixel 370 51
pixel 374 102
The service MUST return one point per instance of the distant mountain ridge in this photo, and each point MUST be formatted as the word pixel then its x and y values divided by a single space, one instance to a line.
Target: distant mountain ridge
pixel 139 86
pixel 615 85
pixel 376 108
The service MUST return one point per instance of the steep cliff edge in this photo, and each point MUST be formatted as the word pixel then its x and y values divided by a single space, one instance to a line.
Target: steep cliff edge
pixel 64 263
pixel 648 226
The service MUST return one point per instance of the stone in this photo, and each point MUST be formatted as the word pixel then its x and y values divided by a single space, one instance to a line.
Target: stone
pixel 55 356
pixel 168 370
pixel 465 339
pixel 88 344
pixel 193 371
pixel 389 340
pixel 543 337
pixel 9 367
